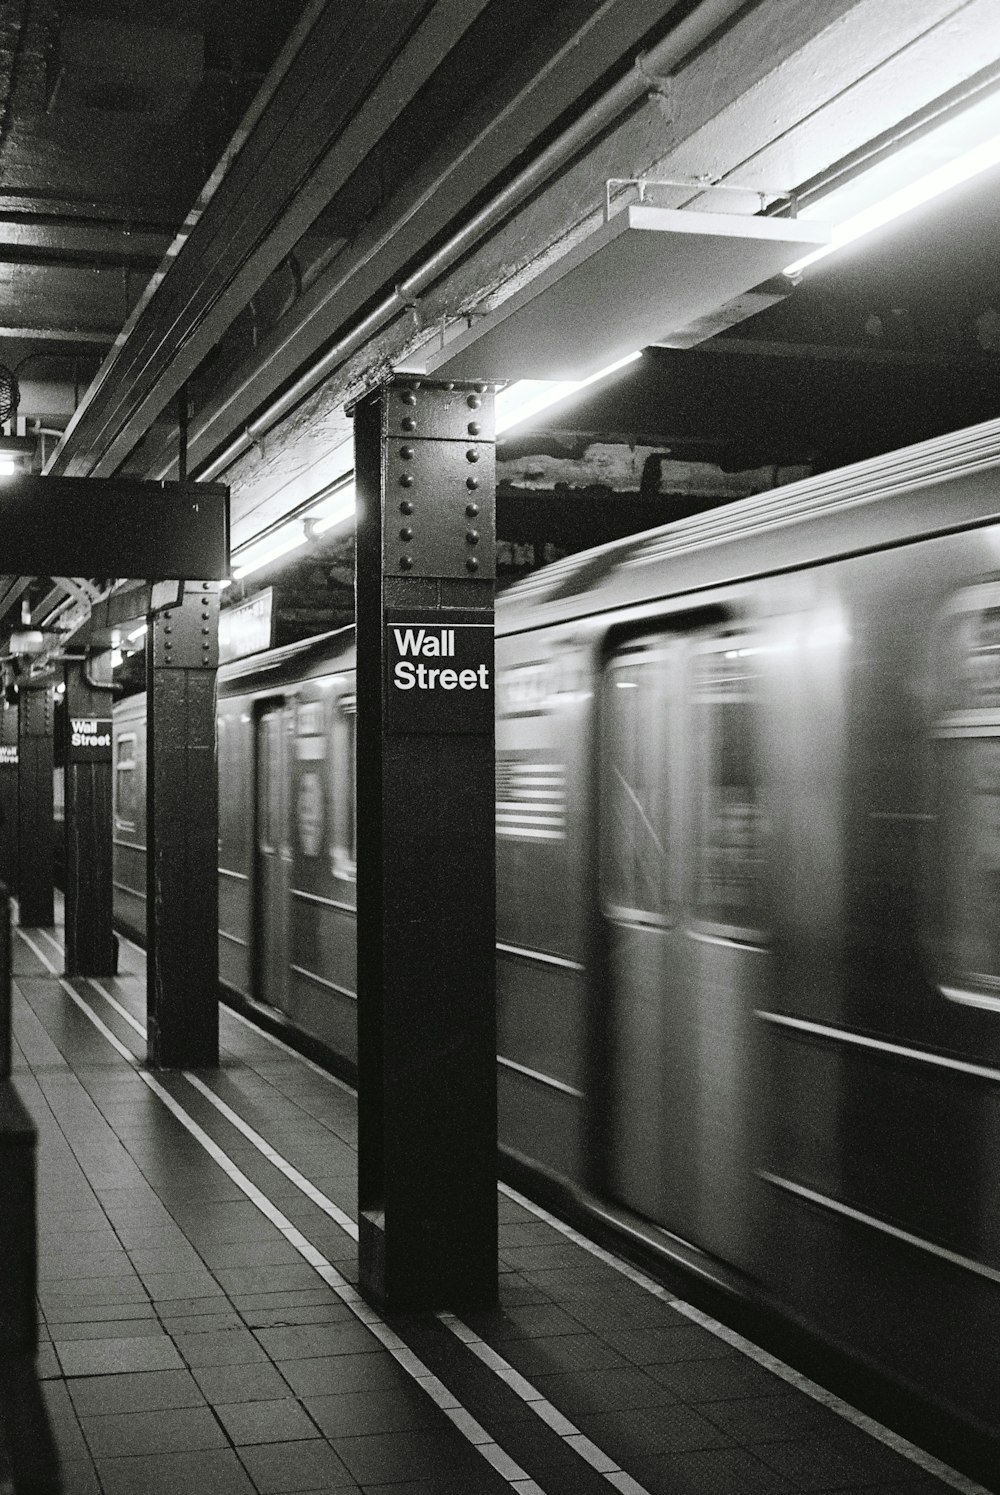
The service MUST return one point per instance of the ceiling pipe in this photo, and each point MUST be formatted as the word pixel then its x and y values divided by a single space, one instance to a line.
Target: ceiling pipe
pixel 645 79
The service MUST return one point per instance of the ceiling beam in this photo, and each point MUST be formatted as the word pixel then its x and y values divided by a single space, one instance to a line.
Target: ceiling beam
pixel 354 72
pixel 82 239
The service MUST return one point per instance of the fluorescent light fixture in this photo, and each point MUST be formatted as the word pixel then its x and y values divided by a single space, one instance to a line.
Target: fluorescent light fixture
pixel 527 397
pixel 137 632
pixel 8 467
pixel 282 542
pixel 516 403
pixel 917 173
pixel 335 510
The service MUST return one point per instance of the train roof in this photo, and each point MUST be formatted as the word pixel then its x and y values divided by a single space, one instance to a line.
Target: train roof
pixel 869 505
pixel 291 661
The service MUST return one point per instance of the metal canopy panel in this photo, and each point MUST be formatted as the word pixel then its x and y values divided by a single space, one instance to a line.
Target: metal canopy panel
pixel 644 276
pixel 114 527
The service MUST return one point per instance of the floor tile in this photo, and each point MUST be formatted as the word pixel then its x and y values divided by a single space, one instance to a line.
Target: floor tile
pixel 136 1433
pixel 339 1374
pixel 306 1341
pixel 143 1391
pixel 560 1352
pixel 214 1471
pixel 221 1347
pixel 103 1329
pixel 384 1458
pixel 104 1357
pixel 851 1459
pixel 619 1388
pixel 716 1471
pixel 359 1412
pixel 281 1421
pixel 293 1467
pixel 630 1435
pixel 762 1419
pixel 78 1477
pixel 259 1381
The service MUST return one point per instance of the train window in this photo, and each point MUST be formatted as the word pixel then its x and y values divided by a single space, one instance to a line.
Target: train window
pixel 635 772
pixel 344 845
pixel 126 785
pixel 268 785
pixel 969 804
pixel 729 823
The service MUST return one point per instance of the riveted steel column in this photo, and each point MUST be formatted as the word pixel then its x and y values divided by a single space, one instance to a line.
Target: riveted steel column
pixel 8 793
pixel 35 803
pixel 182 830
pixel 424 469
pixel 6 996
pixel 90 940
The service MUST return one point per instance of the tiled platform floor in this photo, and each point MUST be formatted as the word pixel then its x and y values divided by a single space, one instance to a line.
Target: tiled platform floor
pixel 200 1335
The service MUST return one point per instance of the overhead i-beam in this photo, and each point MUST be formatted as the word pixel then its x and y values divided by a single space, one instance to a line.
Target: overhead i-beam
pixel 113 527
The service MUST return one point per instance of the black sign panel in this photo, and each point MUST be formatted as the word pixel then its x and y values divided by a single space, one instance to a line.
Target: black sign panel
pixel 439 678
pixel 114 527
pixel 88 739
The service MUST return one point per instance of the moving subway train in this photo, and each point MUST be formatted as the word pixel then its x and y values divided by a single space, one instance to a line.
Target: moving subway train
pixel 748 843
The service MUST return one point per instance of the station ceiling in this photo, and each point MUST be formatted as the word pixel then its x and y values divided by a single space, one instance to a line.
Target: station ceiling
pixel 256 208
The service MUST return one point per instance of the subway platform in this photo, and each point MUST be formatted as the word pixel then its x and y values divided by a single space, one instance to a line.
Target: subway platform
pixel 201 1332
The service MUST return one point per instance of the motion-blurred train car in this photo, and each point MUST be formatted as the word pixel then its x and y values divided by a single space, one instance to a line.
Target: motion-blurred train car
pixel 748 843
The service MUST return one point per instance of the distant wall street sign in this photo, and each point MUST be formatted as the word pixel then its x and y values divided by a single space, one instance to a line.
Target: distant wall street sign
pixel 440 679
pixel 88 739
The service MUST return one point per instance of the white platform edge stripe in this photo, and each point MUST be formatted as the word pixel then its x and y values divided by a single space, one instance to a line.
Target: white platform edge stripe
pixel 571 1435
pixel 560 1425
pixel 556 1420
pixel 507 1467
pixel 843 1409
pixel 833 1403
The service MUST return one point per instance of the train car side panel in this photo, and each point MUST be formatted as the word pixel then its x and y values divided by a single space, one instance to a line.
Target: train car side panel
pixel 542 824
pixel 236 831
pixel 321 989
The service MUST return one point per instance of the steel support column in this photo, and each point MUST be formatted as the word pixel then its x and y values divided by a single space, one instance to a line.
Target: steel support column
pixel 8 794
pixel 426 880
pixel 90 941
pixel 182 819
pixel 35 803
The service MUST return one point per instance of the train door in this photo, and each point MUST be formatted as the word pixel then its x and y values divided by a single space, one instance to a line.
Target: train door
pixel 728 928
pixel 681 838
pixel 273 857
pixel 638 888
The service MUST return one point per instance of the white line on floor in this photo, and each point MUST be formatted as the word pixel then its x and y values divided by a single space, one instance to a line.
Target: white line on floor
pixel 462 1420
pixel 792 1377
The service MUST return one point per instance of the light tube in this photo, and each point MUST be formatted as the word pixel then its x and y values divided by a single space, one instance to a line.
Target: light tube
pixel 516 403
pixel 527 397
pixel 337 509
pixel 282 542
pixel 917 173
